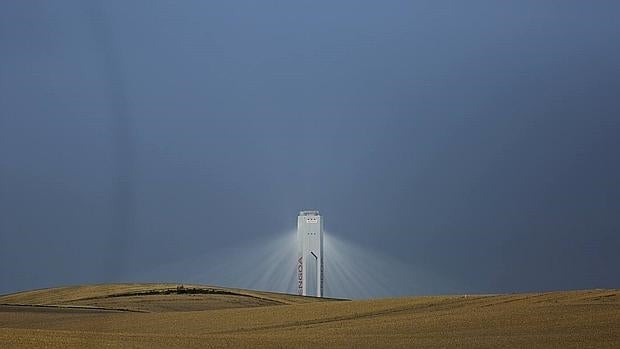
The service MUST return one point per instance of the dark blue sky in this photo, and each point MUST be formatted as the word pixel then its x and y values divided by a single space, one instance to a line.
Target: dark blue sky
pixel 477 140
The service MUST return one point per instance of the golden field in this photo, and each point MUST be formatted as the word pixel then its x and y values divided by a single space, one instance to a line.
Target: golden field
pixel 196 316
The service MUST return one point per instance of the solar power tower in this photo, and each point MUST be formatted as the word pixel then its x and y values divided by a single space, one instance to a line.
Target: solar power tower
pixel 310 254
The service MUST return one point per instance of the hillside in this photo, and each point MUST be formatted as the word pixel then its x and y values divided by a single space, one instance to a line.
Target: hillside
pixel 152 297
pixel 156 316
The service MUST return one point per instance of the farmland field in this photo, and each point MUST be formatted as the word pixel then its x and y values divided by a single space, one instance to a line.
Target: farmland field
pixel 197 316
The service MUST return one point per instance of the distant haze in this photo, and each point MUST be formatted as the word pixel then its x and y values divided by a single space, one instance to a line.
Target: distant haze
pixel 476 145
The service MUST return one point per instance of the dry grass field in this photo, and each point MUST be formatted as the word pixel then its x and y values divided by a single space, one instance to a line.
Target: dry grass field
pixel 160 316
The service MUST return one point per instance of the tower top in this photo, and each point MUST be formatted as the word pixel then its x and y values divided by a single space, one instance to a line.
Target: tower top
pixel 309 213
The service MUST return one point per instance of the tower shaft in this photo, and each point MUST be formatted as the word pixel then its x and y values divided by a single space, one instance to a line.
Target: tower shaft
pixel 310 254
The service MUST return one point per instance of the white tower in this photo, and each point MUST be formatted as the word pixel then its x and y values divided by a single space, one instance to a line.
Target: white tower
pixel 310 254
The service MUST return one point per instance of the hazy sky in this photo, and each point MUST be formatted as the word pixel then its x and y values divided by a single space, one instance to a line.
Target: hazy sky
pixel 477 140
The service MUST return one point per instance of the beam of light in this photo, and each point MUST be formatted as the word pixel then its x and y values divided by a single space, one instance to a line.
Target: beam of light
pixel 354 271
pixel 114 90
pixel 269 264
